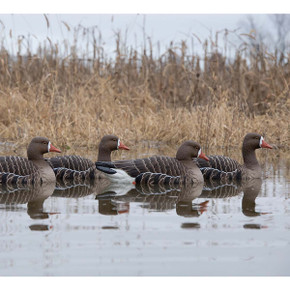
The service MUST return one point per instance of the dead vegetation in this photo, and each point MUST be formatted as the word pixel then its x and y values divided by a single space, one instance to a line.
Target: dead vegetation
pixel 75 100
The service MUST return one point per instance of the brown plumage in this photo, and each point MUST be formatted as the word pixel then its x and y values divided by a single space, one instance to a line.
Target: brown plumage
pixel 21 171
pixel 227 169
pixel 161 169
pixel 77 168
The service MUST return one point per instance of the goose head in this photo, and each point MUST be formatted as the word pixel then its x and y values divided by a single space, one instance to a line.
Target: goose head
pixel 189 150
pixel 39 146
pixel 253 141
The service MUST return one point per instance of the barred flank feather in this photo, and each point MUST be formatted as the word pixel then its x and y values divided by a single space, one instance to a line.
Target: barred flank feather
pixel 220 168
pixel 216 174
pixel 155 164
pixel 15 170
pixel 72 167
pixel 159 170
pixel 219 162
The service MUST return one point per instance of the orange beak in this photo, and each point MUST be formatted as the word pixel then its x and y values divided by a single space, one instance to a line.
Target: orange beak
pixel 266 145
pixel 203 156
pixel 123 147
pixel 53 149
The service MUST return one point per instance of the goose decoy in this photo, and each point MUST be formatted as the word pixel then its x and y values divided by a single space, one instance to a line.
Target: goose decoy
pixel 158 169
pixel 19 171
pixel 225 168
pixel 77 168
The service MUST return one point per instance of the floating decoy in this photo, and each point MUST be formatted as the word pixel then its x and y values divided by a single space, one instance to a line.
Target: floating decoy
pixel 77 168
pixel 226 168
pixel 158 169
pixel 22 171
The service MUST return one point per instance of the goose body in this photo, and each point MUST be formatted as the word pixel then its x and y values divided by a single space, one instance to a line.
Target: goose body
pixel 228 169
pixel 159 169
pixel 22 171
pixel 77 168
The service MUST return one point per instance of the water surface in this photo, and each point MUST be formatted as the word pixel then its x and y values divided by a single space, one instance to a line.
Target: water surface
pixel 100 230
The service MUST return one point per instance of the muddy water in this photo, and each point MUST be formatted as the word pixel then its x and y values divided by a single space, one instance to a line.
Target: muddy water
pixel 98 229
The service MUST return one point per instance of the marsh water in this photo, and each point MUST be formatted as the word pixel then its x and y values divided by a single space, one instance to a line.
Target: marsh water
pixel 98 229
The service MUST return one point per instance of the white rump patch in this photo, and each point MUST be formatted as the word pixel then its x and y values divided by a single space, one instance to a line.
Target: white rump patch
pixel 199 151
pixel 48 147
pixel 261 141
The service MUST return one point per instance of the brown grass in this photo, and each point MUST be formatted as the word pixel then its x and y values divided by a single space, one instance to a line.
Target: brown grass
pixel 76 100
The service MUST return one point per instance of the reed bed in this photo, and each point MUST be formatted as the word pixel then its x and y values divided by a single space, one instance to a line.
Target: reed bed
pixel 74 99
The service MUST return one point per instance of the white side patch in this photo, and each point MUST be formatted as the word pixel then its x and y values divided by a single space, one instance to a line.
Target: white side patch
pixel 199 151
pixel 121 176
pixel 48 147
pixel 261 140
pixel 118 144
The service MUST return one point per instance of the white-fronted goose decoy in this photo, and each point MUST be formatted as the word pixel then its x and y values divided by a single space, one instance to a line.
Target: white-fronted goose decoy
pixel 77 168
pixel 225 168
pixel 22 171
pixel 158 169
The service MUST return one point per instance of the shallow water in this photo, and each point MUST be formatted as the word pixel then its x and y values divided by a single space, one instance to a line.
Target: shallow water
pixel 98 230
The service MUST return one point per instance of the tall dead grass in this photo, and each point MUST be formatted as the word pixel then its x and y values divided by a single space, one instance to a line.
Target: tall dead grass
pixel 75 100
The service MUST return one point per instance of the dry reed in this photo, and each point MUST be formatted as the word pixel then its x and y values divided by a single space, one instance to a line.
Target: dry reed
pixel 76 100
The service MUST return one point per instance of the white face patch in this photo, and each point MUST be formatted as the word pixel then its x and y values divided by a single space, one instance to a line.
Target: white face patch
pixel 261 141
pixel 48 147
pixel 199 151
pixel 118 144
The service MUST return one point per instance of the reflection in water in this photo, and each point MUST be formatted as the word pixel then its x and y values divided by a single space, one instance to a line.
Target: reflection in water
pixel 154 198
pixel 70 189
pixel 250 189
pixel 109 228
pixel 184 205
pixel 34 196
pixel 190 225
pixel 180 239
pixel 16 195
pixel 111 207
pixel 40 227
pixel 35 206
pixel 102 187
pixel 219 189
pixel 114 199
pixel 254 226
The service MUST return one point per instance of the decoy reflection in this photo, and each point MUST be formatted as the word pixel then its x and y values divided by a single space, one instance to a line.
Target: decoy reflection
pixel 154 198
pixel 33 196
